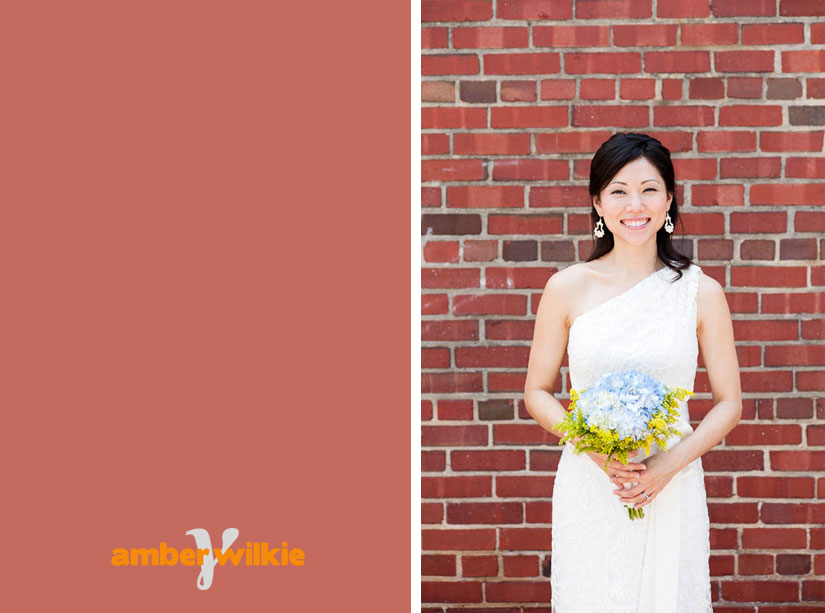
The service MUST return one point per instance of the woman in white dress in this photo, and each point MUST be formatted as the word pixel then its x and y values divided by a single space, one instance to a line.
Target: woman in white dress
pixel 638 304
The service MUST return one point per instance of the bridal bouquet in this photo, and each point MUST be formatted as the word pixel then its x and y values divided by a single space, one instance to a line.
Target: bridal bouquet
pixel 621 413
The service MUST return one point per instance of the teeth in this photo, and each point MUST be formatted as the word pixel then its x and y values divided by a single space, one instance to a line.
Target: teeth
pixel 634 224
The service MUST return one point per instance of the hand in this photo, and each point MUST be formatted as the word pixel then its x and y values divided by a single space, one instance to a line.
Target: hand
pixel 619 473
pixel 660 470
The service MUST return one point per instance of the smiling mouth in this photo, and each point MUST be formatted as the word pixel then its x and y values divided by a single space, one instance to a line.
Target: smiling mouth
pixel 636 225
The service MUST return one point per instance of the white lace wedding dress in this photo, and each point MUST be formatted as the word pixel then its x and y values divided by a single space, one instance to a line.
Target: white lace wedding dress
pixel 601 560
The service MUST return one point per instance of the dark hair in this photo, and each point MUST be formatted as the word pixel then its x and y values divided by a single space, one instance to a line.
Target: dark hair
pixel 614 154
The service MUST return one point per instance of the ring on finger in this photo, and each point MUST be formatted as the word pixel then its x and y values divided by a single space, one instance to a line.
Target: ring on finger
pixel 646 496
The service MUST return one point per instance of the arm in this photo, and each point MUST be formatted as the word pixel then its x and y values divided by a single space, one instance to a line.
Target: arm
pixel 719 355
pixel 546 356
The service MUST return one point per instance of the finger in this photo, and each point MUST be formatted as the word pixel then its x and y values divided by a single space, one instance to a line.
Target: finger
pixel 633 492
pixel 629 466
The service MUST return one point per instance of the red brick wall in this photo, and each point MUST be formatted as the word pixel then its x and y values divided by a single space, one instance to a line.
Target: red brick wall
pixel 516 97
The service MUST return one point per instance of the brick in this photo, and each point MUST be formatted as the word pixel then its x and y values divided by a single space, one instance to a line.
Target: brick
pixel 432 278
pixel 485 196
pixel 597 89
pixel 441 251
pixel 805 168
pixel 733 512
pixel 760 591
pixel 519 251
pixel 517 91
pixel 520 486
pixel 437 91
pixel 744 87
pixel 443 118
pixel 451 591
pixel 449 64
pixel 461 330
pixel 521 566
pixel 477 91
pixel 456 410
pixel 710 34
pixel 613 9
pixel 498 460
pixel 743 8
pixel 682 8
pixel 724 460
pixel 490 38
pixel 518 591
pixel 724 141
pixel 489 304
pixel 452 170
pixel 491 143
pixel 801 8
pixel 484 513
pixel 685 115
pixel 750 167
pixel 524 224
pixel 706 88
pixel 558 89
pixel 750 115
pixel 598 62
pixel 434 304
pixel 788 194
pixel 743 61
pixel 798 460
pixel 783 89
pixel 450 224
pixel 438 565
pixel 456 10
pixel 457 487
pixel 458 539
pixel 761 434
pixel 677 61
pixel 797 513
pixel 570 142
pixel 528 117
pixel 717 195
pixel 803 61
pixel 521 63
pixel 773 33
pixel 806 115
pixel 571 36
pixel 637 89
pixel 530 170
pixel 558 195
pixel 535 9
pixel 479 566
pixel 615 115
pixel 809 140
pixel 755 564
pixel 645 35
pixel 775 487
pixel 433 38
pixel 774 538
pixel 435 144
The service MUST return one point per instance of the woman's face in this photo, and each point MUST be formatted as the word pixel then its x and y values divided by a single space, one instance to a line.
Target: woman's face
pixel 636 192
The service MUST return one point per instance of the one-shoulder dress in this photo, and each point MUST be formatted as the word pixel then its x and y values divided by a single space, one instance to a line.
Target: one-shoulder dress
pixel 601 560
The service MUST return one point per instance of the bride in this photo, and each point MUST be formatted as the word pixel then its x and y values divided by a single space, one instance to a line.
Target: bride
pixel 635 303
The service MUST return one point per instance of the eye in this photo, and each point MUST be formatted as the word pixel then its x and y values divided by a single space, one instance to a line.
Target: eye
pixel 650 188
pixel 617 191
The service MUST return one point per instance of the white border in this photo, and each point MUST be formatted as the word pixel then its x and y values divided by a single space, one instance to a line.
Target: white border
pixel 415 305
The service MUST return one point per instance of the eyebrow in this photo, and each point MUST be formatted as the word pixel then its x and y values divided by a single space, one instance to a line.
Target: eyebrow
pixel 623 183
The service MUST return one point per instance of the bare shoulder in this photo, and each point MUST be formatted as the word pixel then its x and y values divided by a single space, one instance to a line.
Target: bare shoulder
pixel 710 300
pixel 561 287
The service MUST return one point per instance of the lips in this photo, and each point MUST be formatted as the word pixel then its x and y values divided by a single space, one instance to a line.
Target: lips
pixel 635 227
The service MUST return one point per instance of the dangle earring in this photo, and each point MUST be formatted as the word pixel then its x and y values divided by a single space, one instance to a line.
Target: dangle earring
pixel 599 231
pixel 668 224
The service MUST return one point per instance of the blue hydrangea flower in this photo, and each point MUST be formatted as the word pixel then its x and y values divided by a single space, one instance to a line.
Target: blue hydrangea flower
pixel 624 402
